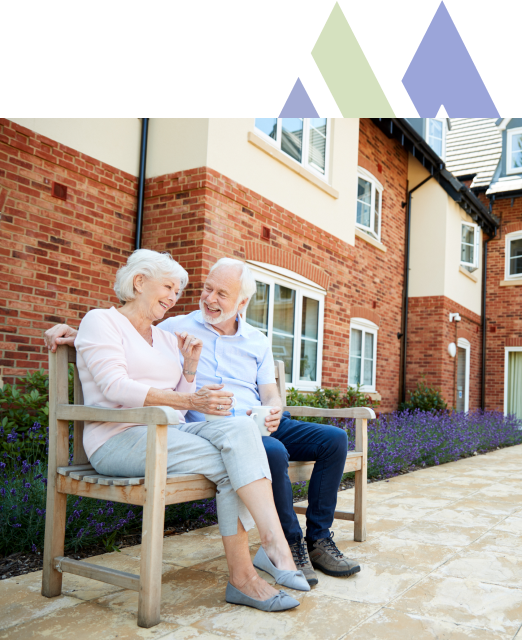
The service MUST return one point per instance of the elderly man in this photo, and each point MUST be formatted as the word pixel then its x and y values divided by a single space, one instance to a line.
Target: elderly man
pixel 239 356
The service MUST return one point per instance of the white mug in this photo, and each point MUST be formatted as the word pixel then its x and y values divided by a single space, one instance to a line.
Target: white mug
pixel 259 414
pixel 209 417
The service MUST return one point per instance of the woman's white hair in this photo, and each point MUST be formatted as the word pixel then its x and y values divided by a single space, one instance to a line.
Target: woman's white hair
pixel 151 264
pixel 248 282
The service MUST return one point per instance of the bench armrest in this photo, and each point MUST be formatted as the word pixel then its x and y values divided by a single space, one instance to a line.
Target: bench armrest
pixel 319 412
pixel 140 415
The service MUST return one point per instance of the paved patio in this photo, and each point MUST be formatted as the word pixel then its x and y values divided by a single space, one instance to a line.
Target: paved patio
pixel 443 560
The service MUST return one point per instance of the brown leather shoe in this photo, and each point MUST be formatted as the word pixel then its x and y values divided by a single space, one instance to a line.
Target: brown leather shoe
pixel 302 561
pixel 325 555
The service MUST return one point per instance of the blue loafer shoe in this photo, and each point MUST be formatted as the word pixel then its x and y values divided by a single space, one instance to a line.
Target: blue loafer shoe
pixel 280 602
pixel 291 579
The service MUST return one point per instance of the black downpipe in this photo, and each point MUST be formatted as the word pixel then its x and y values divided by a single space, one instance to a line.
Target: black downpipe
pixel 484 323
pixel 406 286
pixel 141 180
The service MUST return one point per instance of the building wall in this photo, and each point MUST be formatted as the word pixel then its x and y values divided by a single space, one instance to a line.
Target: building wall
pixel 503 303
pixel 429 334
pixel 58 258
pixel 201 215
pixel 114 141
pixel 435 244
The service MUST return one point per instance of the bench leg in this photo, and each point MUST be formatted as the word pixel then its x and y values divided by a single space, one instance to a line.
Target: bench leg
pixel 361 444
pixel 54 538
pixel 153 525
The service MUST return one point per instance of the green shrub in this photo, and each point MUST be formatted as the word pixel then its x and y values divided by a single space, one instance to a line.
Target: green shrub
pixel 424 398
pixel 330 399
pixel 23 405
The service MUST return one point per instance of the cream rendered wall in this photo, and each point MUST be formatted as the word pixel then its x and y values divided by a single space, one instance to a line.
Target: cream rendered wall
pixel 115 141
pixel 230 153
pixel 458 286
pixel 428 234
pixel 175 144
pixel 435 244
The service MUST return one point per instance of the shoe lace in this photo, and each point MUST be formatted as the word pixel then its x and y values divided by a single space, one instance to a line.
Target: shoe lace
pixel 299 553
pixel 331 547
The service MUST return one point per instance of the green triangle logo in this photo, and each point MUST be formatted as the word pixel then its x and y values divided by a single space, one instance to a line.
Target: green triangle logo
pixel 346 71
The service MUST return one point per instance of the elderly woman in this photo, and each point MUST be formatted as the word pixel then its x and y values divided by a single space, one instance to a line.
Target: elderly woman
pixel 125 361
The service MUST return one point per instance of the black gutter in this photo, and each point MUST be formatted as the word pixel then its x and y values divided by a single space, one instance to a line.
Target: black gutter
pixel 484 323
pixel 141 181
pixel 406 287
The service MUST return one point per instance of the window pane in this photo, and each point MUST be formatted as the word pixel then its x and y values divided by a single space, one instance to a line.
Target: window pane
pixel 515 262
pixel 377 213
pixel 283 349
pixel 284 308
pixel 268 126
pixel 368 359
pixel 310 321
pixel 435 135
pixel 516 151
pixel 292 137
pixel 354 375
pixel 257 311
pixel 308 367
pixel 364 198
pixel 317 143
pixel 468 234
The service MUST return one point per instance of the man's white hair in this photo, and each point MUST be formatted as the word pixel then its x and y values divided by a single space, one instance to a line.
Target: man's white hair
pixel 151 264
pixel 248 282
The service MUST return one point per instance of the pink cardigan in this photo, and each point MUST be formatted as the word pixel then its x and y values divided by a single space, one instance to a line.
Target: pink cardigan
pixel 117 367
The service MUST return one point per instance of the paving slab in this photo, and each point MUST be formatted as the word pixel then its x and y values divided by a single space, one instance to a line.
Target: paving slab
pixel 442 560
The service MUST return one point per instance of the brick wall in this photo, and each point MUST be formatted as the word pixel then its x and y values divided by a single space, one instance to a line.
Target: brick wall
pixel 429 334
pixel 201 215
pixel 504 304
pixel 58 258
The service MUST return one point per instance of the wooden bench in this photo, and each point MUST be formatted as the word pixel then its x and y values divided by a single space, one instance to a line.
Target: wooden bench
pixel 155 490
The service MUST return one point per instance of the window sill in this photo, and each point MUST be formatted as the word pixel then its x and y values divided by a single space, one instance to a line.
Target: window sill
pixel 468 274
pixel 374 395
pixel 291 164
pixel 511 283
pixel 367 238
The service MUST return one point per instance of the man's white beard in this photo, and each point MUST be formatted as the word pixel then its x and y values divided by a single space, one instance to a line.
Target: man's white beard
pixel 223 317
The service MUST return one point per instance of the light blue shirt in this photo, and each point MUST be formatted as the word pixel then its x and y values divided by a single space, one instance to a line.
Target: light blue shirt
pixel 241 362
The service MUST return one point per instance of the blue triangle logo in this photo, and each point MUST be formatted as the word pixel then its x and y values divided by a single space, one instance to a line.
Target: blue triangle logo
pixel 298 104
pixel 443 73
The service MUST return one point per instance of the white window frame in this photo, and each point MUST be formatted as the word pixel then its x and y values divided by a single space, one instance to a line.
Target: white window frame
pixel 366 326
pixel 272 275
pixel 443 121
pixel 507 351
pixel 509 149
pixel 376 188
pixel 306 131
pixel 516 235
pixel 476 252
pixel 465 344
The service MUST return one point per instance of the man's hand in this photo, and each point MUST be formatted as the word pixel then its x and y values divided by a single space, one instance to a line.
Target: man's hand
pixel 58 335
pixel 273 420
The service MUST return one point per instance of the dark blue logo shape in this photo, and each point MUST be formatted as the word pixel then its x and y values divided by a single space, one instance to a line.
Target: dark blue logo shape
pixel 443 73
pixel 298 104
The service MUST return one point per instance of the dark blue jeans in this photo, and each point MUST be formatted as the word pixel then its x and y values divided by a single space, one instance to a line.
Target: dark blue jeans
pixel 303 441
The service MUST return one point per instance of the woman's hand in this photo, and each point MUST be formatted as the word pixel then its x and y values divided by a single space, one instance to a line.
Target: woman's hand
pixel 59 334
pixel 189 346
pixel 210 397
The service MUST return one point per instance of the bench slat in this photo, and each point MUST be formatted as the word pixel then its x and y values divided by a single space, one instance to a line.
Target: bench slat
pixel 65 471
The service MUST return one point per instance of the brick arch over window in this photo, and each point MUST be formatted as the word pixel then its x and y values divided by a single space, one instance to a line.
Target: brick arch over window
pixel 367 314
pixel 464 333
pixel 512 227
pixel 513 342
pixel 286 260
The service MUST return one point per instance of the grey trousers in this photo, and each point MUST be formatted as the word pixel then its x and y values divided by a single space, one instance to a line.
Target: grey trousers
pixel 228 452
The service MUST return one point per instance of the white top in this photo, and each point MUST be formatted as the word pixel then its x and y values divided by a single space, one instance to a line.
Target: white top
pixel 117 367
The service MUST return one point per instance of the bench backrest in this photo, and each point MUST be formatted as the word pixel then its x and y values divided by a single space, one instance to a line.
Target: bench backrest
pixel 79 455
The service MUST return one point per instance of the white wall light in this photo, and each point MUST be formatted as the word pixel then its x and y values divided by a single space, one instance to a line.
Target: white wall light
pixel 452 349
